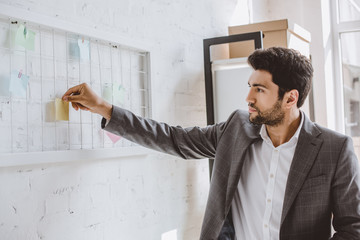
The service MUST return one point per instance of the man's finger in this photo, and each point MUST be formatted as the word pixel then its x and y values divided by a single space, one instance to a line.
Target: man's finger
pixel 75 106
pixel 78 106
pixel 73 90
pixel 73 98
pixel 83 108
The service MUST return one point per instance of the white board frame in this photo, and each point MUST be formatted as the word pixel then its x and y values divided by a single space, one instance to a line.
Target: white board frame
pixel 31 158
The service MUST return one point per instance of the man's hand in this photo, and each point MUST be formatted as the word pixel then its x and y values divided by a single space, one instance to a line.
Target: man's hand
pixel 84 98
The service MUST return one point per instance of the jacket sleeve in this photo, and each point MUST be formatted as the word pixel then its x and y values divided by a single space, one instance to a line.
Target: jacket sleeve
pixel 346 195
pixel 193 142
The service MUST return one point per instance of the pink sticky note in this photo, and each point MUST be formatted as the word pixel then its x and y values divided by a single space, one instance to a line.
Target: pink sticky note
pixel 114 138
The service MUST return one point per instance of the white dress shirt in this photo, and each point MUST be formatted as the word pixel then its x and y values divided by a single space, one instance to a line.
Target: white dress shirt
pixel 258 201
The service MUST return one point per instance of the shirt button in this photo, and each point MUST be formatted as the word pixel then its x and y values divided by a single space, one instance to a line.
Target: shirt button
pixel 269 200
pixel 265 225
pixel 271 175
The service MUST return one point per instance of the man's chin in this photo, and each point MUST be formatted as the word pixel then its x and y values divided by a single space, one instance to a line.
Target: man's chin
pixel 252 117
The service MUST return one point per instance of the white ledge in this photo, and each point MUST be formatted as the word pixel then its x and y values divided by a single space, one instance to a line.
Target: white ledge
pixel 31 158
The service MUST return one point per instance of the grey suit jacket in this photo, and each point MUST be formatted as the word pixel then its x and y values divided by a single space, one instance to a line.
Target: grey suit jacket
pixel 323 183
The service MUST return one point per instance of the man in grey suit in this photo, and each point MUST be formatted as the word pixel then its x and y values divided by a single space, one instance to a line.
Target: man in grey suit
pixel 276 175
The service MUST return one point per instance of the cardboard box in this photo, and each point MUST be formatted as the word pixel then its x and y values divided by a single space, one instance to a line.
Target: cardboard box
pixel 280 33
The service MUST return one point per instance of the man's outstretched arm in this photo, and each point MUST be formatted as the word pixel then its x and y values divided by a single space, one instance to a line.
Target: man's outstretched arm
pixel 192 142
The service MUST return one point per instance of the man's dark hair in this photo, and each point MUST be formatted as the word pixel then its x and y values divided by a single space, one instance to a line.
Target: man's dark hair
pixel 289 69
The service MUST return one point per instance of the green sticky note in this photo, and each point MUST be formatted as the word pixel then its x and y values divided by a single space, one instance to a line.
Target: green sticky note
pixel 25 38
pixel 114 93
pixel 107 92
pixel 119 94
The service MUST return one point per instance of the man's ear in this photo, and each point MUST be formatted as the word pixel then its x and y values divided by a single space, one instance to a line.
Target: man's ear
pixel 292 97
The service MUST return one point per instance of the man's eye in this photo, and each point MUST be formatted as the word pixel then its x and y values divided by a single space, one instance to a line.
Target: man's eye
pixel 259 90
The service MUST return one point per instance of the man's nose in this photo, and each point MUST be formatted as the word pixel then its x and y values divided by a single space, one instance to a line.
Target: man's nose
pixel 249 97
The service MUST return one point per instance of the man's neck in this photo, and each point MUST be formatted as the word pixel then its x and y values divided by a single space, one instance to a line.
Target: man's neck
pixel 283 132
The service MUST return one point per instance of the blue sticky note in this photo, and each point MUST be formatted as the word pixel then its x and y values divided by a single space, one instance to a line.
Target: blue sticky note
pixel 25 37
pixel 4 85
pixel 18 83
pixel 74 51
pixel 84 49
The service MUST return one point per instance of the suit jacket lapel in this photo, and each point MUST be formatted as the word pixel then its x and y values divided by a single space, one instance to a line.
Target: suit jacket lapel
pixel 251 134
pixel 306 152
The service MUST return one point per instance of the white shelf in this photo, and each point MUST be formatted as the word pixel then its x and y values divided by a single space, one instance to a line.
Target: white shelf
pixel 231 63
pixel 32 158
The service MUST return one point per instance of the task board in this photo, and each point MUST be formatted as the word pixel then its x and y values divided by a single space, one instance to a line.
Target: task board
pixel 50 63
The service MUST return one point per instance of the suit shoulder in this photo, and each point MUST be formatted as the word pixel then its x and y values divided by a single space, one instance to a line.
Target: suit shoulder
pixel 328 134
pixel 236 119
pixel 239 115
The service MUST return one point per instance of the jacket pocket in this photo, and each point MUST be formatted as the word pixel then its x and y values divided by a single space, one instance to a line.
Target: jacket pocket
pixel 315 183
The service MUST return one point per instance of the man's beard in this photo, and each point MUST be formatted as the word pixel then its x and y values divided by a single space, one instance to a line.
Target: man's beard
pixel 272 117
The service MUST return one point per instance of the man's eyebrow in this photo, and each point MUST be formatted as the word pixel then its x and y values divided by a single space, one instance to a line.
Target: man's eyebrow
pixel 257 85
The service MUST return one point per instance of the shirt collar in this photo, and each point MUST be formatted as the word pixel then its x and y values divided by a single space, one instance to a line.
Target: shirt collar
pixel 264 135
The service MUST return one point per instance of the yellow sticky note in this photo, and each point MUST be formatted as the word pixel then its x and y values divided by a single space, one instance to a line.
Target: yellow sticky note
pixel 62 110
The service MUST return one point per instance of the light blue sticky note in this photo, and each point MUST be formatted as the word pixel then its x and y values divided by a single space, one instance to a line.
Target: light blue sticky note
pixel 25 37
pixel 4 85
pixel 18 83
pixel 74 51
pixel 84 49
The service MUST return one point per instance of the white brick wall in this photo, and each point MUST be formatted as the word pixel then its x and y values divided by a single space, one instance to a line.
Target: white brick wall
pixel 128 198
